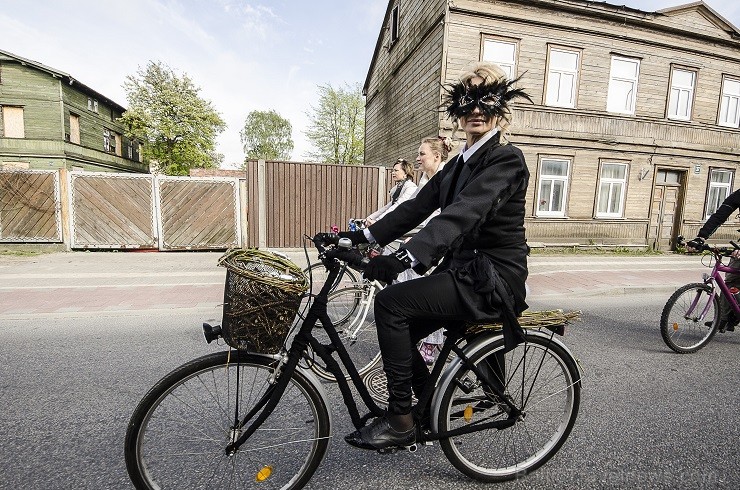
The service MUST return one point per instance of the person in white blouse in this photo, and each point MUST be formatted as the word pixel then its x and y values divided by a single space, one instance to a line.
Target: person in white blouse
pixel 405 188
pixel 430 159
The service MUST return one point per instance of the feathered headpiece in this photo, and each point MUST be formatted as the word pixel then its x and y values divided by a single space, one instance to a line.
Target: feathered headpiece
pixel 491 98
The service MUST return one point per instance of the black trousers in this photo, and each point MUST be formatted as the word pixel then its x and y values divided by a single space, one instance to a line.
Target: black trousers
pixel 406 313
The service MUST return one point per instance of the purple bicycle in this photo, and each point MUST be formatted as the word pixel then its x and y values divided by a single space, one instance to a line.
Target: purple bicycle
pixel 691 316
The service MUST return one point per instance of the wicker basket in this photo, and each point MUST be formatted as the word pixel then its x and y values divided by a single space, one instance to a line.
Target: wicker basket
pixel 261 298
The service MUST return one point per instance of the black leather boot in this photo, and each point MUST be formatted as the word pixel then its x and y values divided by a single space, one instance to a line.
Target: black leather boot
pixel 380 435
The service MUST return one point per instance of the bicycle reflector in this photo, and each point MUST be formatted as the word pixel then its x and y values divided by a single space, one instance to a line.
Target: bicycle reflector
pixel 263 474
pixel 468 413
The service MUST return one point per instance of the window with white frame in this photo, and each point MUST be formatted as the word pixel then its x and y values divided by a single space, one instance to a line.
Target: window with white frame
pixel 562 77
pixel 612 189
pixel 720 184
pixel 109 143
pixel 682 94
pixel 553 187
pixel 394 25
pixel 729 110
pixel 623 85
pixel 503 53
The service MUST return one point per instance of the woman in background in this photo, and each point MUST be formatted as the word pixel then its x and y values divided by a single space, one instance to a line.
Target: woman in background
pixel 403 175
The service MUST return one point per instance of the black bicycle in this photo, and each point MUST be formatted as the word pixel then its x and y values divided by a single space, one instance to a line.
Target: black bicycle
pixel 243 419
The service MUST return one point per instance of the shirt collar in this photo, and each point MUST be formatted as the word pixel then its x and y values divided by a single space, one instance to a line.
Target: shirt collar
pixel 468 152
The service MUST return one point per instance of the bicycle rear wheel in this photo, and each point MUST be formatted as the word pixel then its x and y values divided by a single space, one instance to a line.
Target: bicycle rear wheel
pixel 178 434
pixel 690 317
pixel 358 334
pixel 540 378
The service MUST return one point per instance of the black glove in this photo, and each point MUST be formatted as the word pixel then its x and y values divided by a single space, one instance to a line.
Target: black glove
pixel 386 268
pixel 357 237
pixel 326 238
pixel 695 244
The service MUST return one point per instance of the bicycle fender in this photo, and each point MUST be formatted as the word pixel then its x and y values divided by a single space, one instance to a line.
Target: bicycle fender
pixel 470 350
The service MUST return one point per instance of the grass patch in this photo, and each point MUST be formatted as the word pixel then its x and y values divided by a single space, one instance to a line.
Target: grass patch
pixel 18 252
pixel 620 251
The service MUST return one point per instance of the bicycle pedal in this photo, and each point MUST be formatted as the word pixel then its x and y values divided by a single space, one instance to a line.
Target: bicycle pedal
pixel 412 448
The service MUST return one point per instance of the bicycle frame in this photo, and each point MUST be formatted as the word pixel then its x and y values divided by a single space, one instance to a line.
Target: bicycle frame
pixel 289 361
pixel 716 278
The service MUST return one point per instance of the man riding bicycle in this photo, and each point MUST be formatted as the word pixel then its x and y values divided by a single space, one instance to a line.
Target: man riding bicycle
pixel 727 319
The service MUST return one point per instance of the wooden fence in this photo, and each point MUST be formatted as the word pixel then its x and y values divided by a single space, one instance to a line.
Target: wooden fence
pixel 272 205
pixel 30 207
pixel 288 200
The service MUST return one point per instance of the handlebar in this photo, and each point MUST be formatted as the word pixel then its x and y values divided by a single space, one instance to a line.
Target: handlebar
pixel 331 248
pixel 718 251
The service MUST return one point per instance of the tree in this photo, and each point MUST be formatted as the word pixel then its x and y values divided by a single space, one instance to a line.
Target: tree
pixel 337 125
pixel 178 127
pixel 267 135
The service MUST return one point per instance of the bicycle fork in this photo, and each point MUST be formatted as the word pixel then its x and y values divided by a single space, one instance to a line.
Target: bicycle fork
pixel 709 281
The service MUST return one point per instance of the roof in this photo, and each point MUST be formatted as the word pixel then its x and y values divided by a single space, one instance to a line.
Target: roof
pixel 605 7
pixel 64 76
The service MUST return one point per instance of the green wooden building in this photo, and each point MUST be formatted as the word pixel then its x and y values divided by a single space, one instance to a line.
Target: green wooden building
pixel 49 120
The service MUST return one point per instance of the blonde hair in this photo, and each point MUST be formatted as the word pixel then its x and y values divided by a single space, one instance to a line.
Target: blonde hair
pixel 489 72
pixel 439 144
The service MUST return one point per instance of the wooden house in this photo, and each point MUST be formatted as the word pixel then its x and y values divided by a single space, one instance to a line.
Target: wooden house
pixel 50 120
pixel 633 137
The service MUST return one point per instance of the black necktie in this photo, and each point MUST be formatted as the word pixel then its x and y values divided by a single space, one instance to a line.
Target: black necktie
pixel 459 164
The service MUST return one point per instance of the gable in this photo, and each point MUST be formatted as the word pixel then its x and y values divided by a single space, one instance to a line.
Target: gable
pixel 697 17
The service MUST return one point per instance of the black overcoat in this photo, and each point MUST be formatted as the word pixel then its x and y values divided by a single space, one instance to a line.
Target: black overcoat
pixel 478 236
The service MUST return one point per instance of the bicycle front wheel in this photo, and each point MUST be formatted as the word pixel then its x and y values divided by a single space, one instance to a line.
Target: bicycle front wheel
pixel 177 436
pixel 541 379
pixel 690 317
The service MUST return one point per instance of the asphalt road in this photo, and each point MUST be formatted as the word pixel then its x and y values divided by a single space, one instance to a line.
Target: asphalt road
pixel 649 418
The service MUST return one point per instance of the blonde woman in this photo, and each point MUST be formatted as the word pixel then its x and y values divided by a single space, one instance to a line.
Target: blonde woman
pixel 431 158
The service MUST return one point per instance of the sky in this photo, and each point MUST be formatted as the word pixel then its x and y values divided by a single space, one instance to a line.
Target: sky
pixel 244 55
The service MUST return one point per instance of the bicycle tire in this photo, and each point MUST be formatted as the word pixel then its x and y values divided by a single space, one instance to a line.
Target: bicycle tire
pixel 683 334
pixel 539 377
pixel 318 273
pixel 177 435
pixel 359 336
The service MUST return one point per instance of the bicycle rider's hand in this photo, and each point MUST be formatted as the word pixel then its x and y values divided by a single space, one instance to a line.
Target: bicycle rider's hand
pixel 695 245
pixel 327 238
pixel 735 254
pixel 357 236
pixel 386 268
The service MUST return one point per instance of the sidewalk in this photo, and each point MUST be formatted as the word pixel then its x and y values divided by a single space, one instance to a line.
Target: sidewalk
pixel 78 283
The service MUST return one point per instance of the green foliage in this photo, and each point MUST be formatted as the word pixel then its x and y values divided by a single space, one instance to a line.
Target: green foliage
pixel 178 127
pixel 267 135
pixel 337 125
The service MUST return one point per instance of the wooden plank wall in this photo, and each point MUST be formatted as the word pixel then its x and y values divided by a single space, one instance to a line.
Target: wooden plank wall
pixel 112 211
pixel 308 198
pixel 198 213
pixel 29 210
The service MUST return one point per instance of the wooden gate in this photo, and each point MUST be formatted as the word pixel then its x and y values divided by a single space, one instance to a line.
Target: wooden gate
pixel 198 213
pixel 30 207
pixel 112 211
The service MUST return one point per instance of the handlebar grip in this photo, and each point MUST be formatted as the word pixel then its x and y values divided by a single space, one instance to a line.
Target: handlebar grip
pixel 351 257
